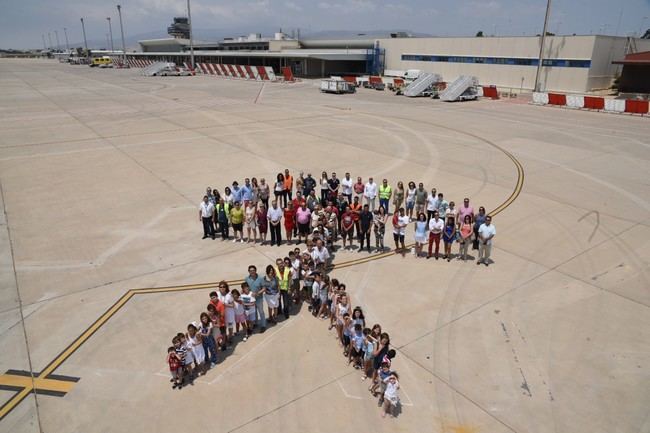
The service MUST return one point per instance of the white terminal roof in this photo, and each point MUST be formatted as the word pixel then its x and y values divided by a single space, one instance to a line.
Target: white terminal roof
pixel 324 54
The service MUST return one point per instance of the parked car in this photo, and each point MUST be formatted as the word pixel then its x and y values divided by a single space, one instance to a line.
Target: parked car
pixel 169 71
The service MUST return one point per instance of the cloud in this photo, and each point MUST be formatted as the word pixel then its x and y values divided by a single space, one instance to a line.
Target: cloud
pixel 292 6
pixel 352 6
pixel 475 7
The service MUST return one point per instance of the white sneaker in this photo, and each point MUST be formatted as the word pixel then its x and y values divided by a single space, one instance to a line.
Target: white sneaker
pixel 234 240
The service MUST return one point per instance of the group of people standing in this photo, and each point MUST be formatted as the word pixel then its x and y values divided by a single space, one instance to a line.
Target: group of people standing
pixel 235 314
pixel 346 209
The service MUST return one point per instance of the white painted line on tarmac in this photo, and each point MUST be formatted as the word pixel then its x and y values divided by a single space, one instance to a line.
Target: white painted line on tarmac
pixel 345 393
pixel 403 392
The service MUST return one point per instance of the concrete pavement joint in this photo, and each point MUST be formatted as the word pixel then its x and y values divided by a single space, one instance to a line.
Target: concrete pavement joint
pixel 21 394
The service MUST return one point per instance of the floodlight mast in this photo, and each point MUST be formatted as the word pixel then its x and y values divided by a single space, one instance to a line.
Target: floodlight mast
pixel 189 22
pixel 119 12
pixel 537 87
pixel 83 29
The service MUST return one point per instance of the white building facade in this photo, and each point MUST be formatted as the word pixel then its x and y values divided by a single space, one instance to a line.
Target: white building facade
pixel 571 63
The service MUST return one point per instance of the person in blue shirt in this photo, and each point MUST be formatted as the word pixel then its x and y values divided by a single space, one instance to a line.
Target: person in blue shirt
pixel 256 284
pixel 237 192
pixel 247 192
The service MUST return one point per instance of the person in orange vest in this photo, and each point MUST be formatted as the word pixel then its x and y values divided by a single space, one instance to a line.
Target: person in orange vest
pixel 288 185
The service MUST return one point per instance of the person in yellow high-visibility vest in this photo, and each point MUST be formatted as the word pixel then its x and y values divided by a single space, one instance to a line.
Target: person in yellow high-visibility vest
pixel 385 193
pixel 283 273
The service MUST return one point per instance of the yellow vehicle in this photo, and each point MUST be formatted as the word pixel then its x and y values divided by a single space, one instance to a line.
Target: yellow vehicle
pixel 102 62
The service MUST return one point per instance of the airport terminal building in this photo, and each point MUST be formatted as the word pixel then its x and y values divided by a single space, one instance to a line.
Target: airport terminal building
pixel 571 63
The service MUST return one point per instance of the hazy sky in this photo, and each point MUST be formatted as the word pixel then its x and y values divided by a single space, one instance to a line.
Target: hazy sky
pixel 23 22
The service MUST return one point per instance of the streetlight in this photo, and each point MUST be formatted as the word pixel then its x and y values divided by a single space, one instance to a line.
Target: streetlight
pixel 44 44
pixel 67 44
pixel 189 22
pixel 58 45
pixel 119 12
pixel 83 29
pixel 110 31
pixel 541 47
pixel 49 38
pixel 107 42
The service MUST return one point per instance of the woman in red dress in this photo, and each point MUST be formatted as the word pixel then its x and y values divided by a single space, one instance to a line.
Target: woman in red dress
pixel 289 220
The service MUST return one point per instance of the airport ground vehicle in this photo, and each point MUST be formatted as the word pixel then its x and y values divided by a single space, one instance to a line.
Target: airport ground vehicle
pixel 336 86
pixel 465 88
pixel 103 61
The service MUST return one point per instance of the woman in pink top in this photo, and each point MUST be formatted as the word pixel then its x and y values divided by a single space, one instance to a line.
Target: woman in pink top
pixel 303 218
pixel 465 237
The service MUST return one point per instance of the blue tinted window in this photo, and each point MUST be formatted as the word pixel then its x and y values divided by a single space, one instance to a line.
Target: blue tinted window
pixel 519 61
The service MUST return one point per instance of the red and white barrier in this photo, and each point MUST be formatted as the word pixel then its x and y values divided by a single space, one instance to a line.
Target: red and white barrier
pixel 258 73
pixel 592 103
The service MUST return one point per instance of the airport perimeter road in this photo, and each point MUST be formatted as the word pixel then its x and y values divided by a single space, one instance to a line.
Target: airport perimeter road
pixel 102 261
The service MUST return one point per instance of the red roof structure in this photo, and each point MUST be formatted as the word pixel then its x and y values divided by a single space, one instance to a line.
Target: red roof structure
pixel 642 58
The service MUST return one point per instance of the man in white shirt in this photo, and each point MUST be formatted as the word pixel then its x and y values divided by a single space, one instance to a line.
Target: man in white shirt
pixel 320 255
pixel 432 204
pixel 370 194
pixel 346 187
pixel 274 216
pixel 206 215
pixel 436 226
pixel 485 234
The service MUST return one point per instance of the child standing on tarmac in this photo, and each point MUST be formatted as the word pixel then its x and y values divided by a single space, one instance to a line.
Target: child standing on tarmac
pixel 356 346
pixel 369 348
pixel 240 315
pixel 248 302
pixel 390 397
pixel 175 366
pixel 188 357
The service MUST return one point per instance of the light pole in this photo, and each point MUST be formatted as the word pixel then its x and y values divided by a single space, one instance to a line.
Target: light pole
pixel 643 20
pixel 44 44
pixel 110 31
pixel 49 38
pixel 67 44
pixel 107 42
pixel 83 29
pixel 189 22
pixel 541 47
pixel 119 12
pixel 58 45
